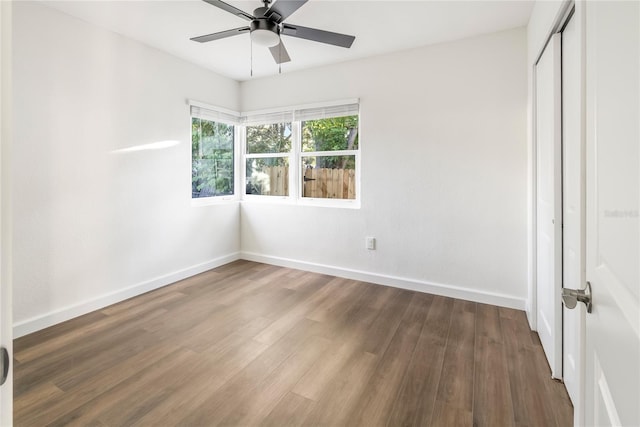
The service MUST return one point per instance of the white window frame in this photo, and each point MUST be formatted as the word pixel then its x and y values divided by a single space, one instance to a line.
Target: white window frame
pixel 230 117
pixel 288 155
pixel 296 155
pixel 241 120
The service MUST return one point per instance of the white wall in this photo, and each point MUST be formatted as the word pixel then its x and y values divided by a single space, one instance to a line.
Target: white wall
pixel 92 226
pixel 543 16
pixel 444 172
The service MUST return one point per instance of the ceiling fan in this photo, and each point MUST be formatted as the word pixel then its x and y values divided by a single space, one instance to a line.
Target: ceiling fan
pixel 267 25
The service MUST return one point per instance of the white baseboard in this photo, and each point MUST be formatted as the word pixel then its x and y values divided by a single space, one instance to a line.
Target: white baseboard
pixel 63 314
pixel 531 317
pixel 60 315
pixel 396 282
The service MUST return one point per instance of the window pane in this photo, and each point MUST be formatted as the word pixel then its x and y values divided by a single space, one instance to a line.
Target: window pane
pixel 268 176
pixel 211 158
pixel 271 138
pixel 335 133
pixel 329 177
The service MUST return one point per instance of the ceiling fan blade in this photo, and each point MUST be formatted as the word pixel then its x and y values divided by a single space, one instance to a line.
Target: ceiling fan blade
pixel 280 53
pixel 282 9
pixel 231 9
pixel 316 35
pixel 220 35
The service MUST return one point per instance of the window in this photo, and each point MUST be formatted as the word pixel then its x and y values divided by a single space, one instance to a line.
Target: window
pixel 328 157
pixel 320 144
pixel 267 158
pixel 309 154
pixel 212 153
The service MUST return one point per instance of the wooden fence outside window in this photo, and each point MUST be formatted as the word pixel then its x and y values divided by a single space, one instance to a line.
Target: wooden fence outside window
pixel 318 182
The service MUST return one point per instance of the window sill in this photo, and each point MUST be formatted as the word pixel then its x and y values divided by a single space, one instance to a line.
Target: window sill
pixel 289 201
pixel 209 201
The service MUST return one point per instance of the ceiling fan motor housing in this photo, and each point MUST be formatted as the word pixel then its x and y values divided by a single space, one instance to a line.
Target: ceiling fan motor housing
pixel 264 31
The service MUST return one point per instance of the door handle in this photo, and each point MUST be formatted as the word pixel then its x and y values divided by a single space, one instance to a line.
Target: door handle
pixel 4 360
pixel 570 297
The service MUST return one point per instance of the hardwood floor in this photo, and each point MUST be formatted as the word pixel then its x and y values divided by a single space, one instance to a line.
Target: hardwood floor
pixel 253 344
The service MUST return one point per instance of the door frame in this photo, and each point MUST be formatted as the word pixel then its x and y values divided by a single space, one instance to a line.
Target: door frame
pixel 6 120
pixel 569 9
pixel 578 17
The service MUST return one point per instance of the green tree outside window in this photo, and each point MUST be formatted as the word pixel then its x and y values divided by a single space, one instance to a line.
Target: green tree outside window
pixel 212 146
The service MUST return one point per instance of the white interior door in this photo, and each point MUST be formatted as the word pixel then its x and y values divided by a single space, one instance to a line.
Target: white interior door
pixel 573 210
pixel 613 193
pixel 549 203
pixel 6 401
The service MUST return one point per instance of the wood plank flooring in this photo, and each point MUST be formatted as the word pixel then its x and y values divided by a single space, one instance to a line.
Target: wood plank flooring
pixel 252 344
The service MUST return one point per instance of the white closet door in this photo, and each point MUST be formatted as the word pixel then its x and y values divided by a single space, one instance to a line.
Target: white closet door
pixel 549 203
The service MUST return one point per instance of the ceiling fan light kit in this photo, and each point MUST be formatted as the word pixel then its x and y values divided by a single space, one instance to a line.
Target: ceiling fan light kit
pixel 267 26
pixel 264 33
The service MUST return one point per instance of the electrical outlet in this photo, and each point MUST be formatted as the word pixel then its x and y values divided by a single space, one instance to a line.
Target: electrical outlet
pixel 370 243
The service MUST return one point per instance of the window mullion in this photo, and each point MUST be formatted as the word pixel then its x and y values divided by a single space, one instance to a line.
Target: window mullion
pixel 329 153
pixel 295 168
pixel 240 162
pixel 265 155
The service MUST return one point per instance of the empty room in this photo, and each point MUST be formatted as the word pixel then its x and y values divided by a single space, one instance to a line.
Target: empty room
pixel 320 212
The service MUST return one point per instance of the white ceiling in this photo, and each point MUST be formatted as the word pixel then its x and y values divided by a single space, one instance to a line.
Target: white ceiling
pixel 379 26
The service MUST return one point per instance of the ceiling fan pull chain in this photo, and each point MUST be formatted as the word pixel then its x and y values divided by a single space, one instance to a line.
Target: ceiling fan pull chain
pixel 280 56
pixel 251 55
